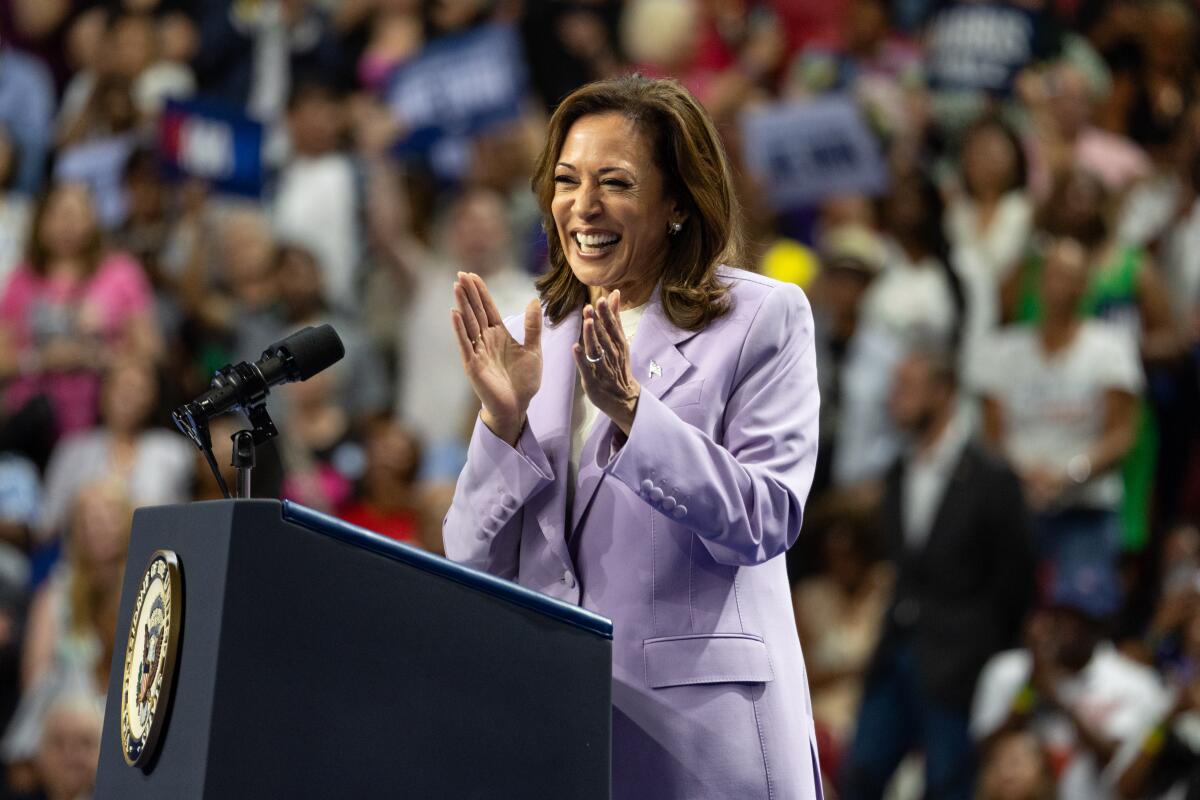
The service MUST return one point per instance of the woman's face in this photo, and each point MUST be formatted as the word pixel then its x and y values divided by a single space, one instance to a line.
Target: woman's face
pixel 989 163
pixel 130 393
pixel 609 205
pixel 68 222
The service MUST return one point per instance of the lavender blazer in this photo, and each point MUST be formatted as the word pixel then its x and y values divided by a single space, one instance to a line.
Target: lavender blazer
pixel 677 535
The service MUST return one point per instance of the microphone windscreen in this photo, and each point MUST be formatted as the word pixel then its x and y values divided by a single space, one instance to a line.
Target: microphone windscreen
pixel 312 349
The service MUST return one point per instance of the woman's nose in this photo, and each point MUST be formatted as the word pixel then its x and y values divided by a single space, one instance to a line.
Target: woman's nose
pixel 588 202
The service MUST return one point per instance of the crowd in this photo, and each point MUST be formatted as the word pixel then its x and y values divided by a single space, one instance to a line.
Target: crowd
pixel 998 584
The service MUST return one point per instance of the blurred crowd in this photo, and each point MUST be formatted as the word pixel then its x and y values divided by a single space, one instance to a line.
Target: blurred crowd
pixel 998 584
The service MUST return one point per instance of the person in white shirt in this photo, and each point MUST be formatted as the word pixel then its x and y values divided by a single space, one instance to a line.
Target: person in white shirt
pixel 917 297
pixel 434 398
pixel 992 217
pixel 317 198
pixel 1082 698
pixel 1059 399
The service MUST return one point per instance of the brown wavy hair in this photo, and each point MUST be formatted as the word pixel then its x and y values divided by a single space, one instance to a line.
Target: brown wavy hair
pixel 696 175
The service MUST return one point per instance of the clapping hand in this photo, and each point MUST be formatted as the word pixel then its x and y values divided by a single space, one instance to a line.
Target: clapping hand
pixel 504 373
pixel 603 362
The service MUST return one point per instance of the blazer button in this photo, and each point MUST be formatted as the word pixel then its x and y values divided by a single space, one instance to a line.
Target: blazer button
pixel 668 503
pixel 656 494
pixel 647 485
pixel 679 512
pixel 568 579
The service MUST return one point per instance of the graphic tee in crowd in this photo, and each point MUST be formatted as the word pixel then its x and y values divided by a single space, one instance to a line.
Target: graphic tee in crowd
pixel 1053 402
pixel 1118 697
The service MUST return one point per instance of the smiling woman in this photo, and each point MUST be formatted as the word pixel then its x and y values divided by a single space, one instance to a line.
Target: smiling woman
pixel 646 448
pixel 645 155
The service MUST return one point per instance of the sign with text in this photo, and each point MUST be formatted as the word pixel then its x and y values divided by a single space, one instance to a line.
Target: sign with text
pixel 458 87
pixel 804 152
pixel 980 46
pixel 216 144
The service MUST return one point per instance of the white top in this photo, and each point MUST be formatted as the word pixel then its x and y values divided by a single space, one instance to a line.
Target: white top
pixel 316 205
pixel 161 473
pixel 926 476
pixel 1054 404
pixel 909 299
pixel 584 413
pixel 1118 697
pixel 1000 245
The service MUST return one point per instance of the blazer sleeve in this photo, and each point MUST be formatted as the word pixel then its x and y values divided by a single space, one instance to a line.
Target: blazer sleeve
pixel 482 529
pixel 743 497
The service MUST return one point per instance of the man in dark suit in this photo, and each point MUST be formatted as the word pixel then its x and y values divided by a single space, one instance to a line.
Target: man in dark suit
pixel 958 533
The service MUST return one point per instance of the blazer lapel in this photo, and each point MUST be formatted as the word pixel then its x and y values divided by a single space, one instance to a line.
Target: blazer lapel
pixel 657 365
pixel 550 420
pixel 953 504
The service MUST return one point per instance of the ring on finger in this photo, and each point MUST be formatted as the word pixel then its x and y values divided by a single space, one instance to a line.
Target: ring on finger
pixel 595 360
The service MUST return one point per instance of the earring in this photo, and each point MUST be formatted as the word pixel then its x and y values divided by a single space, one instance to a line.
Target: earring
pixel 674 227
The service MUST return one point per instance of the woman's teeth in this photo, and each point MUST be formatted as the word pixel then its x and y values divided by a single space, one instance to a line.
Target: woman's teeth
pixel 593 243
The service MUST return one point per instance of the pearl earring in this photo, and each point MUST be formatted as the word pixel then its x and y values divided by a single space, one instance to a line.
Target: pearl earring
pixel 675 227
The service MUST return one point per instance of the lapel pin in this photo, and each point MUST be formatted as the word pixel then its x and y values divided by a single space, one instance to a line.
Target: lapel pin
pixel 655 369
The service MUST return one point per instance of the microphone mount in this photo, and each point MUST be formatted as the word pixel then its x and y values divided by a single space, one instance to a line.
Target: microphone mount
pixel 192 419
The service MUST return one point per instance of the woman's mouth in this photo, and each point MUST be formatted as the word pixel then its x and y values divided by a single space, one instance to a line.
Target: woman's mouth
pixel 596 244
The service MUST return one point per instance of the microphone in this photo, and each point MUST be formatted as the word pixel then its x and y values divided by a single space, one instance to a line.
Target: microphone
pixel 246 385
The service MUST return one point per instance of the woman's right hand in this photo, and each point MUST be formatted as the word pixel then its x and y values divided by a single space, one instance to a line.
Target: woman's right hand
pixel 504 373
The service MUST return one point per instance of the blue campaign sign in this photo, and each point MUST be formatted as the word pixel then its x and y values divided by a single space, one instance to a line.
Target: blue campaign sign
pixel 459 86
pixel 806 151
pixel 214 143
pixel 980 46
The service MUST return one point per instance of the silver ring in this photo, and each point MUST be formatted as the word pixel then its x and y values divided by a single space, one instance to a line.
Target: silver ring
pixel 595 360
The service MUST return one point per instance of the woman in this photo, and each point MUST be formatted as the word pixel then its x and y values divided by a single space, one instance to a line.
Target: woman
pixel 69 636
pixel 70 309
pixel 1125 288
pixel 654 482
pixel 990 221
pixel 154 464
pixel 1060 399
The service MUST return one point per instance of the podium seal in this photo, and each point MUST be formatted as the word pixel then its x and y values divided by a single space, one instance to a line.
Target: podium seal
pixel 154 630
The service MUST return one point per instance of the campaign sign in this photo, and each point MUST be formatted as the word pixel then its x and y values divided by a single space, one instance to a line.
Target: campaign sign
pixel 806 151
pixel 459 86
pixel 214 143
pixel 980 47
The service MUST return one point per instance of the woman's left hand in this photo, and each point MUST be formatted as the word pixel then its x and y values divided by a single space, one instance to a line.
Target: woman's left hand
pixel 603 362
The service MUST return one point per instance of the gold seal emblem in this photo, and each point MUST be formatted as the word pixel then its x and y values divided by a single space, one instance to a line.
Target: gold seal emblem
pixel 150 657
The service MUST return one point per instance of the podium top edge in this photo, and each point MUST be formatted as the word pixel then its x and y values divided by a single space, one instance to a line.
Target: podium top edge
pixel 428 562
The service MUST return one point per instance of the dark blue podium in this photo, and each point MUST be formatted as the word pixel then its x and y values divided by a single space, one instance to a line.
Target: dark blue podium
pixel 319 660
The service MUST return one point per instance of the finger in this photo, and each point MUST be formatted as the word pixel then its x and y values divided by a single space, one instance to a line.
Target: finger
pixel 460 335
pixel 591 343
pixel 603 326
pixel 611 327
pixel 581 365
pixel 533 325
pixel 464 308
pixel 475 300
pixel 489 305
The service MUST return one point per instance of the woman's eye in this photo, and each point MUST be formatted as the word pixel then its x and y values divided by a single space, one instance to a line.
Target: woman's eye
pixel 563 179
pixel 616 183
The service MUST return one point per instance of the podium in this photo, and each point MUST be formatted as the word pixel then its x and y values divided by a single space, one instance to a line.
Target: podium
pixel 319 660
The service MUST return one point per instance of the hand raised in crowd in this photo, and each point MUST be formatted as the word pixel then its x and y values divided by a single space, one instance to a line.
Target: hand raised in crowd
pixel 603 362
pixel 504 373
